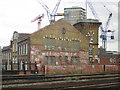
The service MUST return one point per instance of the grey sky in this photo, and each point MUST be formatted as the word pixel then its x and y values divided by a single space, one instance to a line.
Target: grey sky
pixel 16 15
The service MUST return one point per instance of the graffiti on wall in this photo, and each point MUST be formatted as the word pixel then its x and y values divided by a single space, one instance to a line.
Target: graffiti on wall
pixel 113 60
pixel 59 54
pixel 84 57
pixel 35 54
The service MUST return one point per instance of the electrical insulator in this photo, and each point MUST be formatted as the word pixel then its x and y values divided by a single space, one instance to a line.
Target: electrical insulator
pixel 112 37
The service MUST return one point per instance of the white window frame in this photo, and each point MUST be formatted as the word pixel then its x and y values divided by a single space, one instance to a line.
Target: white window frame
pixel 26 49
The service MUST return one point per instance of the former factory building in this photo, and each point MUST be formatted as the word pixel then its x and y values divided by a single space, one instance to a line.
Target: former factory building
pixel 67 45
pixel 60 44
pixel 58 48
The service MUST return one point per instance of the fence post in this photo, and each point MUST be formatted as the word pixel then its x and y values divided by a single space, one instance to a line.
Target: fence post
pixel 5 65
pixel 104 68
pixel 30 66
pixel 24 67
pixel 36 67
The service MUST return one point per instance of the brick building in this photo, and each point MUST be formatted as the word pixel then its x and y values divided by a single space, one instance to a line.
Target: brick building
pixel 89 28
pixel 59 45
pixel 58 48
pixel 109 57
pixel 19 49
pixel 6 57
pixel 11 52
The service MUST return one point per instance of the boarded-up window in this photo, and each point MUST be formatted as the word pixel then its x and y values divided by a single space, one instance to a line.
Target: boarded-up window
pixel 60 60
pixel 60 44
pixel 66 60
pixel 75 45
pixel 74 60
pixel 49 43
pixel 46 60
pixel 50 60
pixel 66 45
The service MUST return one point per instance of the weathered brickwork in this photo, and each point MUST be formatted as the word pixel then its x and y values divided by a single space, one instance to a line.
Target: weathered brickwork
pixel 87 26
pixel 53 54
pixel 60 48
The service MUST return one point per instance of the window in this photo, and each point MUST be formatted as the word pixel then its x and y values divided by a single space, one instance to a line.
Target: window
pixel 13 60
pixel 75 45
pixel 66 60
pixel 16 60
pixel 10 56
pixel 66 45
pixel 20 49
pixel 75 60
pixel 16 47
pixel 49 43
pixel 21 65
pixel 60 44
pixel 50 60
pixel 119 60
pixel 60 60
pixel 26 65
pixel 46 60
pixel 46 43
pixel 26 49
pixel 13 47
pixel 2 56
pixel 5 55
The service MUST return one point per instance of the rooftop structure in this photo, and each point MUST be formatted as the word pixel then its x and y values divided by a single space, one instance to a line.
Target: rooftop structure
pixel 74 14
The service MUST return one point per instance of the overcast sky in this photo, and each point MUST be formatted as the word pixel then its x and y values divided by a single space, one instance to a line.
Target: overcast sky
pixel 16 15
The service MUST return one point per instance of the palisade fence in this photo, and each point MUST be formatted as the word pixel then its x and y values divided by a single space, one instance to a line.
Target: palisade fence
pixel 16 68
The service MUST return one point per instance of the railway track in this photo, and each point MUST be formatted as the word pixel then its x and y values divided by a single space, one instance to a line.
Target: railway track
pixel 62 81
pixel 37 76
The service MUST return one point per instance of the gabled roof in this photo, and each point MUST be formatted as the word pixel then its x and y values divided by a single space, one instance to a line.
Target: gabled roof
pixel 61 23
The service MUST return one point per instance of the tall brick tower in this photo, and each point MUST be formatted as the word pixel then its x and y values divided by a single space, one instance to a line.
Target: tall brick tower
pixel 90 28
